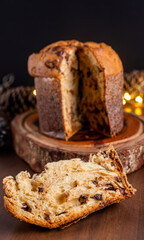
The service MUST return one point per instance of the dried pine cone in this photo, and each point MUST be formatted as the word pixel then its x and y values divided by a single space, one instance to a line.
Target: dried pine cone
pixel 134 82
pixel 17 100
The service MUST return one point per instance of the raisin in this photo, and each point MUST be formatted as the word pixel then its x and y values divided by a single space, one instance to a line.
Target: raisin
pixel 99 69
pixel 83 199
pixel 118 179
pixel 98 196
pixel 111 187
pixel 50 64
pixel 67 57
pixel 88 74
pixel 60 53
pixel 95 182
pixel 122 191
pixel 85 45
pixel 47 217
pixel 55 48
pixel 40 189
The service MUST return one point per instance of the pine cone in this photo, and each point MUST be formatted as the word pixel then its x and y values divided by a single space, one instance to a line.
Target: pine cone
pixel 134 82
pixel 17 100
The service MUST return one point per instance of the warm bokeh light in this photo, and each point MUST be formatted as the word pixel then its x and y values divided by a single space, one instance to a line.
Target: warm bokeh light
pixel 138 111
pixel 127 96
pixel 124 101
pixel 139 99
pixel 34 92
pixel 127 109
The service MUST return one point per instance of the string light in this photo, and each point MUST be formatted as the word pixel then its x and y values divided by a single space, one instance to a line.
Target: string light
pixel 127 96
pixel 138 111
pixel 34 92
pixel 124 101
pixel 128 109
pixel 139 99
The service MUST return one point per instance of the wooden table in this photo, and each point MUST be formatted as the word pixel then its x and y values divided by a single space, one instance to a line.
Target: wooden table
pixel 123 221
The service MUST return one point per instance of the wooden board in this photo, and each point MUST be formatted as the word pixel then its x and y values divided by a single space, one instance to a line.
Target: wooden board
pixel 121 221
pixel 38 149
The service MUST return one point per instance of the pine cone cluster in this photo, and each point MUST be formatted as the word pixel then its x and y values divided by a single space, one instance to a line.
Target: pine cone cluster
pixel 134 82
pixel 17 100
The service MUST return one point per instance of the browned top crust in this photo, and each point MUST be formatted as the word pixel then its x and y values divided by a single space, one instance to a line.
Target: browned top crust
pixel 47 62
pixel 107 58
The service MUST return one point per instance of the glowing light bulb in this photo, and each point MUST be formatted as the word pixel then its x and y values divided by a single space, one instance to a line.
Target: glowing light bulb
pixel 139 99
pixel 34 92
pixel 127 96
pixel 124 101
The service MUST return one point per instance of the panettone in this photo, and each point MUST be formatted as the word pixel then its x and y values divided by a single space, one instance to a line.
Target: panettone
pixel 67 191
pixel 78 84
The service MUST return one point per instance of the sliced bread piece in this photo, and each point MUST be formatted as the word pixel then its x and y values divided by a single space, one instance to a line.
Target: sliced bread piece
pixel 68 190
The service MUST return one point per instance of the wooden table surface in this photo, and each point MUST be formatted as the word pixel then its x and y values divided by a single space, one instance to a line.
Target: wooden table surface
pixel 123 221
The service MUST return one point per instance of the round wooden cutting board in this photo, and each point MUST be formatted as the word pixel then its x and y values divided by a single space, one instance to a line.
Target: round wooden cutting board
pixel 37 149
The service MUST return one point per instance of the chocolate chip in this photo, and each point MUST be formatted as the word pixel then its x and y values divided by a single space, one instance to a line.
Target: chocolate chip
pixel 26 208
pixel 55 48
pixel 46 217
pixel 112 164
pixel 83 199
pixel 98 196
pixel 40 189
pixel 60 53
pixel 111 187
pixel 52 99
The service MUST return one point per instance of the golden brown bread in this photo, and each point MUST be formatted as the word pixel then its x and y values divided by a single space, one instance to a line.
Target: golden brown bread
pixel 107 58
pixel 78 84
pixel 68 190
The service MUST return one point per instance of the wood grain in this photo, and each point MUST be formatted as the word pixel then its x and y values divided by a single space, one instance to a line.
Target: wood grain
pixel 38 149
pixel 119 221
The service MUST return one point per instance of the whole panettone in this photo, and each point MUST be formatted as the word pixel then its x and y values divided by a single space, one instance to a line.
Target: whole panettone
pixel 78 84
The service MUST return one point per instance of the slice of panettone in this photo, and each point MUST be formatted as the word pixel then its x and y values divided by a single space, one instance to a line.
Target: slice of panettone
pixel 68 190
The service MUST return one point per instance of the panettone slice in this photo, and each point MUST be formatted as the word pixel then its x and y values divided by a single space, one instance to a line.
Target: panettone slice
pixel 68 190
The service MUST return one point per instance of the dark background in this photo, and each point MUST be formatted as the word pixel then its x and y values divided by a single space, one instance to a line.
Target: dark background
pixel 27 26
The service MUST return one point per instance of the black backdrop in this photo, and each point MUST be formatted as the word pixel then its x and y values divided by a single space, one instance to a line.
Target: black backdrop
pixel 27 26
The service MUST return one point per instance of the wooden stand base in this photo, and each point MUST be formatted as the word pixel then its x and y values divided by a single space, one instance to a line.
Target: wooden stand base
pixel 37 149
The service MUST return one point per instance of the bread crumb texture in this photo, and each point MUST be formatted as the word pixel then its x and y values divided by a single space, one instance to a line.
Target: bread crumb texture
pixel 68 190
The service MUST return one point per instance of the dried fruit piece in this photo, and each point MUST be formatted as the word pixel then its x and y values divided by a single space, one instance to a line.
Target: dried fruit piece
pixel 83 199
